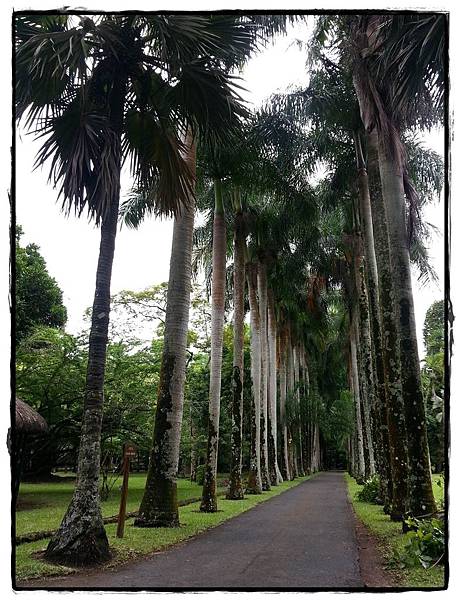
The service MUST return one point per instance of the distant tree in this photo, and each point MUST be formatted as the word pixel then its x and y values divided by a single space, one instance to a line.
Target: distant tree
pixel 38 296
pixel 433 381
pixel 433 328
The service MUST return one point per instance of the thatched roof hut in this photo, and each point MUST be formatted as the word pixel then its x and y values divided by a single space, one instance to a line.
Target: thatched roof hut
pixel 28 420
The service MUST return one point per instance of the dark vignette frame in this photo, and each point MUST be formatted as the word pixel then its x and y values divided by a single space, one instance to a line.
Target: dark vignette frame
pixel 448 309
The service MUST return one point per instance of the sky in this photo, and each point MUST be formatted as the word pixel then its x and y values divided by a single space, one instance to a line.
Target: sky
pixel 70 245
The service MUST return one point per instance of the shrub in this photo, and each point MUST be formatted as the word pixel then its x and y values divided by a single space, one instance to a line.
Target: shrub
pixel 426 544
pixel 370 491
pixel 200 474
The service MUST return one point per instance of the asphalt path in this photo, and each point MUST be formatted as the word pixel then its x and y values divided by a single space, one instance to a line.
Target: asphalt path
pixel 303 538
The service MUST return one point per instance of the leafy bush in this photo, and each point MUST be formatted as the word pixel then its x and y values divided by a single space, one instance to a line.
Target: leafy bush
pixel 425 544
pixel 200 474
pixel 370 491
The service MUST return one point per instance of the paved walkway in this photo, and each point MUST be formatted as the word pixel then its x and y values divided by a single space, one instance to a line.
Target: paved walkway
pixel 303 538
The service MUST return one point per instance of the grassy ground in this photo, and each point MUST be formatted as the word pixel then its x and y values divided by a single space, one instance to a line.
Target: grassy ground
pixel 391 539
pixel 41 506
pixel 139 541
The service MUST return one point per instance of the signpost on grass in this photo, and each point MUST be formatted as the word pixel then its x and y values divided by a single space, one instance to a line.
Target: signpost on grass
pixel 129 451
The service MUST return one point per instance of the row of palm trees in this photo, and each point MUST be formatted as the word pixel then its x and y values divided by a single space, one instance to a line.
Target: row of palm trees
pixel 158 90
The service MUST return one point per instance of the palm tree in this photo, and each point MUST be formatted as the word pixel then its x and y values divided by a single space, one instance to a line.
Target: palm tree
pixel 93 91
pixel 254 485
pixel 235 488
pixel 391 160
pixel 262 295
pixel 209 499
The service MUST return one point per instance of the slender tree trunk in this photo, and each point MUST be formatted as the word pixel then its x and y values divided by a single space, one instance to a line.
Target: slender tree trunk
pixel 285 472
pixel 81 538
pixel 365 360
pixel 420 499
pixel 159 507
pixel 275 473
pixel 290 385
pixel 375 320
pixel 193 454
pixel 254 480
pixel 356 394
pixel 299 425
pixel 209 499
pixel 306 380
pixel 235 490
pixel 262 290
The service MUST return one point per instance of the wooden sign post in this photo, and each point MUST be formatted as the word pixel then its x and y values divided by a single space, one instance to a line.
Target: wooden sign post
pixel 129 451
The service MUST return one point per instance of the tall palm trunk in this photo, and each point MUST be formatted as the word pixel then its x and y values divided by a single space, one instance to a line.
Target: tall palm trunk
pixel 297 398
pixel 290 388
pixel 275 474
pixel 365 362
pixel 254 479
pixel 285 471
pixel 397 437
pixel 262 290
pixel 209 499
pixel 159 507
pixel 235 489
pixel 420 497
pixel 81 538
pixel 376 332
pixel 356 394
pixel 305 413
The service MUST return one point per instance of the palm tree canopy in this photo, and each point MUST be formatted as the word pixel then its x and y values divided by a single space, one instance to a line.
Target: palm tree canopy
pixel 174 77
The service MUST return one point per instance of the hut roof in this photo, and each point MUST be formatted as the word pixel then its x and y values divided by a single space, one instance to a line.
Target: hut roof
pixel 28 420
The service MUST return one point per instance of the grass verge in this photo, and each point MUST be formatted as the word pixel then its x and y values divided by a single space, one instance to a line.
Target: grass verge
pixel 391 540
pixel 41 506
pixel 139 542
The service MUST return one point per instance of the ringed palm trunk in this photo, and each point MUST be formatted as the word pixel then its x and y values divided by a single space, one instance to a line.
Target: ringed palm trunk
pixel 356 394
pixel 306 414
pixel 285 471
pixel 159 506
pixel 275 474
pixel 209 499
pixel 291 393
pixel 81 538
pixel 297 396
pixel 254 479
pixel 420 498
pixel 365 360
pixel 235 490
pixel 262 290
pixel 376 332
pixel 397 437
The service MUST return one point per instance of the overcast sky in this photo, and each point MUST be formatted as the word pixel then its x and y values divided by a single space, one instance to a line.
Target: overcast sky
pixel 70 245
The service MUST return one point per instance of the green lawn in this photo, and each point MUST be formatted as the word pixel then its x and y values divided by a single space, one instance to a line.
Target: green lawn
pixel 48 501
pixel 141 541
pixel 391 539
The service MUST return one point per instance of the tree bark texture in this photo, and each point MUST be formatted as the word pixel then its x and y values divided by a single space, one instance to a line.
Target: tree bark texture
pixel 209 499
pixel 285 472
pixel 376 332
pixel 159 507
pixel 235 490
pixel 262 292
pixel 356 394
pixel 397 436
pixel 254 479
pixel 275 473
pixel 420 497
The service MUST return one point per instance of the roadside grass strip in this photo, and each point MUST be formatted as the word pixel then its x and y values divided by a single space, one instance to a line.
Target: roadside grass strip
pixel 391 539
